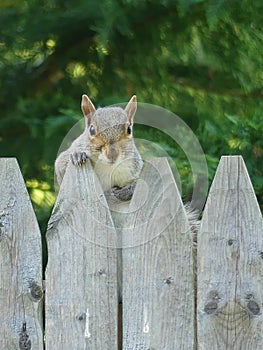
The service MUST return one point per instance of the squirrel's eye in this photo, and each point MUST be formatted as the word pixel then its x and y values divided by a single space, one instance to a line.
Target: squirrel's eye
pixel 92 130
pixel 129 130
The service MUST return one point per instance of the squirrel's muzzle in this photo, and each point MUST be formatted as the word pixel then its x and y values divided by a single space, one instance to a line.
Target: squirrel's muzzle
pixel 112 152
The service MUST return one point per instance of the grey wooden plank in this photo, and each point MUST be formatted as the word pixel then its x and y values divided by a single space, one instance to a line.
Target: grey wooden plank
pixel 20 263
pixel 81 276
pixel 157 280
pixel 230 267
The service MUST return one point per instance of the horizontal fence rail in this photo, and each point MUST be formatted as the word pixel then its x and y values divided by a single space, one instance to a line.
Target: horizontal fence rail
pixel 130 275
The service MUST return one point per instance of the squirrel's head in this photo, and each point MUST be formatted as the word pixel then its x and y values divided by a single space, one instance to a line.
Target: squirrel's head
pixel 109 130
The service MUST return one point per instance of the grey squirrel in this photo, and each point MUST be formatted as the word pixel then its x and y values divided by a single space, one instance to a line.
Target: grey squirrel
pixel 109 144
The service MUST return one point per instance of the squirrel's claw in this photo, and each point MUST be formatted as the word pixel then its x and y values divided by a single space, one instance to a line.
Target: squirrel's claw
pixel 78 158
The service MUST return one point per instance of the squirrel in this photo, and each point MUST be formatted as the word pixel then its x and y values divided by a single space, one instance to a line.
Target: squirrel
pixel 109 144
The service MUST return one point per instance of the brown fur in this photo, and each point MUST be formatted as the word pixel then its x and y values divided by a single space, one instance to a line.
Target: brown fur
pixel 112 150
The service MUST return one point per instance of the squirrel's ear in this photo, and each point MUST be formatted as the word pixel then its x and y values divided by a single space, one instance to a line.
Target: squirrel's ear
pixel 87 106
pixel 131 108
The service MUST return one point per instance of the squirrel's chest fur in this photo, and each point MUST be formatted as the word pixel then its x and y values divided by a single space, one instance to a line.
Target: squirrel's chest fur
pixel 111 175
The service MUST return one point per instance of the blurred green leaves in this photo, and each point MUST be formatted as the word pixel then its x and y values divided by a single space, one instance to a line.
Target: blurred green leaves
pixel 201 59
pixel 235 135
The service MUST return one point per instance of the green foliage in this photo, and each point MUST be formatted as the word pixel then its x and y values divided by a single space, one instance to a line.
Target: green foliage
pixel 198 58
pixel 234 135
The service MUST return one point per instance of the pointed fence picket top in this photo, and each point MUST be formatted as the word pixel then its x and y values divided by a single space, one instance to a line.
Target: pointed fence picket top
pixel 20 263
pixel 147 244
pixel 81 276
pixel 157 265
pixel 230 265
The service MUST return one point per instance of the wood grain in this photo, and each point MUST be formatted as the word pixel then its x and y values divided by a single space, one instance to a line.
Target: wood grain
pixel 157 279
pixel 230 265
pixel 20 263
pixel 81 276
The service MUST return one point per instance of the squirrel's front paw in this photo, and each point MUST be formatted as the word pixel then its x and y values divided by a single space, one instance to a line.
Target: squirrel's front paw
pixel 124 193
pixel 78 158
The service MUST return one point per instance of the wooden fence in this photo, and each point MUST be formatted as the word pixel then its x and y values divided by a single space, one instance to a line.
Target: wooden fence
pixel 141 254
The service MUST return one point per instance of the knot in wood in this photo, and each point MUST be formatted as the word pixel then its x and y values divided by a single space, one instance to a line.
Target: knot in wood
pixel 24 341
pixel 3 226
pixel 36 292
pixel 253 307
pixel 211 307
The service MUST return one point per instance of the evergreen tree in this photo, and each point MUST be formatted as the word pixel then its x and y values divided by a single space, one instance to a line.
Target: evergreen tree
pixel 200 59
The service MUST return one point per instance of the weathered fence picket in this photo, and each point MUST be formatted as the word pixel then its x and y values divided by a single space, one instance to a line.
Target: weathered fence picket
pixel 139 252
pixel 81 276
pixel 20 264
pixel 158 293
pixel 230 264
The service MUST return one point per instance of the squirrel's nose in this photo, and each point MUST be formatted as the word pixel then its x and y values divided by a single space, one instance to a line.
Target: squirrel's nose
pixel 112 152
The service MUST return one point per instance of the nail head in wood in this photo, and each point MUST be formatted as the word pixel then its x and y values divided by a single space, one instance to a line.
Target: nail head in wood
pixel 168 280
pixel 214 295
pixel 81 317
pixel 230 242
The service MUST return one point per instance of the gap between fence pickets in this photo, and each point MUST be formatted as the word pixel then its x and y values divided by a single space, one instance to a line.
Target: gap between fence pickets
pixel 230 268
